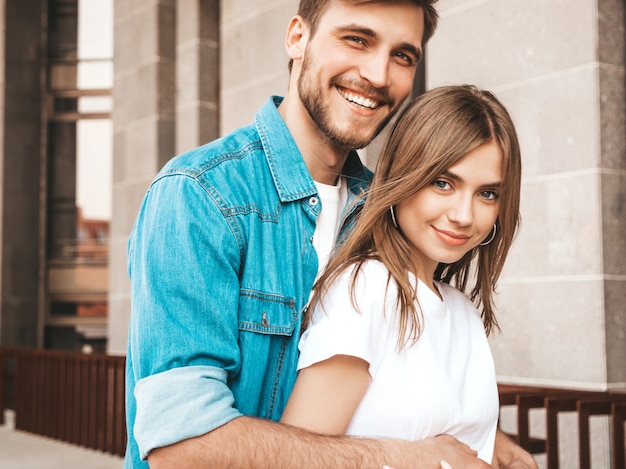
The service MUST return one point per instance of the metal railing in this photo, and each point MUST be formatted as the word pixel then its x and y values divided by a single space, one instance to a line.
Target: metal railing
pixel 67 396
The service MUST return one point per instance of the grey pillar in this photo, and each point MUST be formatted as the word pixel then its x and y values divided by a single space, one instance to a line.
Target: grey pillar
pixel 144 94
pixel 21 161
pixel 612 168
pixel 197 72
pixel 560 70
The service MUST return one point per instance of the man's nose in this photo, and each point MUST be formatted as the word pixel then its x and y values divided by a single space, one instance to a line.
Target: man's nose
pixel 376 69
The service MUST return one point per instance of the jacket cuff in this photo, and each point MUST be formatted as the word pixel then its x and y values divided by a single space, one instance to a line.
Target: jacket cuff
pixel 179 404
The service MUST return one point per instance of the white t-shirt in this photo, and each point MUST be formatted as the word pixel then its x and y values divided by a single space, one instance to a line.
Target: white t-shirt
pixel 443 384
pixel 327 226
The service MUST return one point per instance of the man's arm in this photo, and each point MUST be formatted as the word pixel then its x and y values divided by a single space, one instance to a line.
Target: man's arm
pixel 184 328
pixel 260 444
pixel 509 455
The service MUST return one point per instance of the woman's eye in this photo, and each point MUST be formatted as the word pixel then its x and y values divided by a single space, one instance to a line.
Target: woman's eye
pixel 489 195
pixel 441 184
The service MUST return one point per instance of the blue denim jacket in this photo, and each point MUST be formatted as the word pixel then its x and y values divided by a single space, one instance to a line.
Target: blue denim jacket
pixel 221 263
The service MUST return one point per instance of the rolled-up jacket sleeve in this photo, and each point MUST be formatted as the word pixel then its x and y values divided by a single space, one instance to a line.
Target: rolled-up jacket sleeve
pixel 183 337
pixel 168 404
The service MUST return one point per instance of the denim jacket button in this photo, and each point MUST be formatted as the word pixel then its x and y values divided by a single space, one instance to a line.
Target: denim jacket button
pixel 313 201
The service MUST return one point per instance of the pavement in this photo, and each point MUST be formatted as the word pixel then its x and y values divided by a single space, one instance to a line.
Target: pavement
pixel 21 450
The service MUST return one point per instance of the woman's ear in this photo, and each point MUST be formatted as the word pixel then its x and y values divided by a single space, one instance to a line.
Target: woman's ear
pixel 297 37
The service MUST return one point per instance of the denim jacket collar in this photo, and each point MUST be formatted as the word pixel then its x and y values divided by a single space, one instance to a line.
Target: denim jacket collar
pixel 291 176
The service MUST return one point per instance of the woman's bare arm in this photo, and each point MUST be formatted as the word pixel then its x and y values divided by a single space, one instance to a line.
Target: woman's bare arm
pixel 327 394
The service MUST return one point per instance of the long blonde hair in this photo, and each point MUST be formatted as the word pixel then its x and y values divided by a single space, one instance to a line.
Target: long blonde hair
pixel 431 134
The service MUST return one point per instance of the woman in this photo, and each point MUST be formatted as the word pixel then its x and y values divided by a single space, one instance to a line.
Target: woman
pixel 394 347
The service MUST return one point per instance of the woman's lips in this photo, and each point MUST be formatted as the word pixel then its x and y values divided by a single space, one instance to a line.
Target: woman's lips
pixel 451 238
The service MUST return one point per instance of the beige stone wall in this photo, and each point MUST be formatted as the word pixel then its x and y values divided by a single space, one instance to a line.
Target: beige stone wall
pixel 197 77
pixel 144 97
pixel 254 61
pixel 566 95
pixel 562 291
pixel 558 66
pixel 560 70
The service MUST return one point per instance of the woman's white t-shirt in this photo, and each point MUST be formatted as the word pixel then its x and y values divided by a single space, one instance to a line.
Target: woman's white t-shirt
pixel 445 383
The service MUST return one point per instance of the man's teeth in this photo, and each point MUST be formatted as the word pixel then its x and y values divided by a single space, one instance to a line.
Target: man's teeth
pixel 360 100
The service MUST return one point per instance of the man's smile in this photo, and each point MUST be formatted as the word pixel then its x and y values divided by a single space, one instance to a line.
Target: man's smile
pixel 358 99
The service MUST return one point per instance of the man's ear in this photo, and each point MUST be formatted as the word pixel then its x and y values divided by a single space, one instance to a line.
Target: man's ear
pixel 297 37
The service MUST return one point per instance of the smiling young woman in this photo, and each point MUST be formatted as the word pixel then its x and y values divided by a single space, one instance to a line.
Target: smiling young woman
pixel 384 320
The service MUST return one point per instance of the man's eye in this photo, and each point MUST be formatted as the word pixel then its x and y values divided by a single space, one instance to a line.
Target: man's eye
pixel 405 58
pixel 356 39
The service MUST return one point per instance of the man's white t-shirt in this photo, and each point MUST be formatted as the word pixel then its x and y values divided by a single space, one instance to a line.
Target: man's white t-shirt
pixel 333 200
pixel 445 383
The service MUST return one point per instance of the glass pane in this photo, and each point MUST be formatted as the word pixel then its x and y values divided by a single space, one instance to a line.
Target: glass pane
pixel 61 105
pixel 95 29
pixel 95 75
pixel 76 338
pixel 88 104
pixel 94 163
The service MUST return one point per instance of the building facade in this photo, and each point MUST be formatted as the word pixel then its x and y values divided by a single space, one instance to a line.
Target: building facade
pixel 198 69
pixel 56 117
pixel 187 71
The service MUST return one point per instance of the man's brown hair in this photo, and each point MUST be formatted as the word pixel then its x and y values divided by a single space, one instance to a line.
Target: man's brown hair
pixel 312 10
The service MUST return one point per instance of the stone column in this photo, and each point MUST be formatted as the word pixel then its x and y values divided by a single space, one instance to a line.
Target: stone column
pixel 21 162
pixel 560 71
pixel 2 153
pixel 144 96
pixel 197 72
pixel 254 61
pixel 612 176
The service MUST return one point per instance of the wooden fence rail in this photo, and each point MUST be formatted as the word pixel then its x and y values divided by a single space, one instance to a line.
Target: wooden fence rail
pixel 67 396
pixel 557 401
pixel 79 399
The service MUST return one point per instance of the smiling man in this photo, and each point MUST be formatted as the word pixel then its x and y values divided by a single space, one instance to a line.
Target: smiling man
pixel 230 238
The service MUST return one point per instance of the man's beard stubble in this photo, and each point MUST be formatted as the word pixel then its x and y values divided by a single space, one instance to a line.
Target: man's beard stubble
pixel 312 99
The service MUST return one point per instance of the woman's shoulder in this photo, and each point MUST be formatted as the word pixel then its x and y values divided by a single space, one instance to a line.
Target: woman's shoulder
pixel 455 297
pixel 453 294
pixel 369 278
pixel 369 271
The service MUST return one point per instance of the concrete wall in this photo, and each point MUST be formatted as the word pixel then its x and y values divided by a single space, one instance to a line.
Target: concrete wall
pixel 559 67
pixel 560 70
pixel 196 69
pixel 254 61
pixel 197 72
pixel 144 106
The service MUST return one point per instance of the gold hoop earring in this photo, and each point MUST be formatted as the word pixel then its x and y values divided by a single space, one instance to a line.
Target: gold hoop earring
pixel 491 238
pixel 393 216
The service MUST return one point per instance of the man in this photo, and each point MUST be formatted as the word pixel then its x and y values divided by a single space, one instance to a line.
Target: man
pixel 225 250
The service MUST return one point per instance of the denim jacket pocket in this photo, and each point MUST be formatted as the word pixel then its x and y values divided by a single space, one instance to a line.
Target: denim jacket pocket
pixel 266 313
